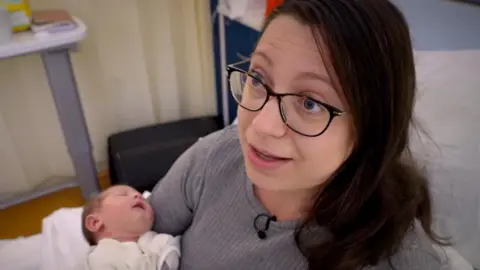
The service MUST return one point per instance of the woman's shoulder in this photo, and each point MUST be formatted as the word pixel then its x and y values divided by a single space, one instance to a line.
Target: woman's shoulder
pixel 216 163
pixel 417 252
pixel 221 146
pixel 215 156
pixel 227 135
pixel 198 173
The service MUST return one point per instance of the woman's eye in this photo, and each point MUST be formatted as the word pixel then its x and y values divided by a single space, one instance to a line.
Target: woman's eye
pixel 311 105
pixel 257 79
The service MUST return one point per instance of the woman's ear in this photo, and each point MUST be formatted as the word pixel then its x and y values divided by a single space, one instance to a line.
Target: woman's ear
pixel 93 223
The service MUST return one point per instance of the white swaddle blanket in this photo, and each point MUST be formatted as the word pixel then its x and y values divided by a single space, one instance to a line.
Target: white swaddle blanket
pixel 152 251
pixel 63 245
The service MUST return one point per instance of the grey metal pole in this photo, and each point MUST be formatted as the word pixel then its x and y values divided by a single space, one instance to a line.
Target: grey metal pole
pixel 63 85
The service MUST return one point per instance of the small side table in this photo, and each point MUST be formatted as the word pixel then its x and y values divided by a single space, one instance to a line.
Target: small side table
pixel 55 52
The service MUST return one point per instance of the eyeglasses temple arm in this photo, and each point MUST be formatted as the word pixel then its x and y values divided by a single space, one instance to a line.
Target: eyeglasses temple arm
pixel 240 62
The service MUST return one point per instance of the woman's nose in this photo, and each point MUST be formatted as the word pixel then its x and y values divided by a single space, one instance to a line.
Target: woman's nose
pixel 268 121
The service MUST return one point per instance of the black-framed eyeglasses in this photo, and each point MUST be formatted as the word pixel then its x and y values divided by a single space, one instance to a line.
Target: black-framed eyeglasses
pixel 301 113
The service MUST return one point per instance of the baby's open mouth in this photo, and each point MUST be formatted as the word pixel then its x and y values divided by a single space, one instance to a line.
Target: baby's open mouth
pixel 139 205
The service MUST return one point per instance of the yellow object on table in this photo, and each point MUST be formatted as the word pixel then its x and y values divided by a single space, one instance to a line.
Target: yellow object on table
pixel 20 14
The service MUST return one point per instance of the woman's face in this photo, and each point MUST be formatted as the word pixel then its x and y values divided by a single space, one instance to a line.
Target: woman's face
pixel 288 60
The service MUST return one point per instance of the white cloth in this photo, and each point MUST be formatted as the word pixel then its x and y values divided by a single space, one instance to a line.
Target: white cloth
pixel 152 251
pixel 63 244
pixel 21 253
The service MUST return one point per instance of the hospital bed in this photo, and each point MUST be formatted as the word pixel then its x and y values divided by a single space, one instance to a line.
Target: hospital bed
pixel 61 244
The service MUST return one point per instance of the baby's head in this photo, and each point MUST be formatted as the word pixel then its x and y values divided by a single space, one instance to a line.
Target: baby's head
pixel 120 213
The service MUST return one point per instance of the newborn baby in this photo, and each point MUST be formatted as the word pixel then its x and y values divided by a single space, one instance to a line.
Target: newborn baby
pixel 117 225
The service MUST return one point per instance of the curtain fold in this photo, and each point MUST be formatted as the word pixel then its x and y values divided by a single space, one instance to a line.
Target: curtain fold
pixel 143 62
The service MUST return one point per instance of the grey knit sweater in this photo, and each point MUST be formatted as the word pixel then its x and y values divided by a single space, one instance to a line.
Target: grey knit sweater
pixel 207 197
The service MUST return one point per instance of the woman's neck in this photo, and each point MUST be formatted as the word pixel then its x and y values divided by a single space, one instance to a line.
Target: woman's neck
pixel 286 205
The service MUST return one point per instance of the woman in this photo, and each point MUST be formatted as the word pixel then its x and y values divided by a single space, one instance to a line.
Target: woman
pixel 318 174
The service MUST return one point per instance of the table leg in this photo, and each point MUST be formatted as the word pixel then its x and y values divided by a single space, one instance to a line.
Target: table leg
pixel 62 82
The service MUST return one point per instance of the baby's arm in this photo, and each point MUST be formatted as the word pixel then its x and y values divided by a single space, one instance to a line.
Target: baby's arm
pixel 165 247
pixel 171 259
pixel 105 257
pixel 116 263
pixel 96 264
pixel 101 266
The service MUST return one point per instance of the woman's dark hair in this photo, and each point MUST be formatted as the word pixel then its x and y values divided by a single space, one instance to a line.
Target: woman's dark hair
pixel 372 201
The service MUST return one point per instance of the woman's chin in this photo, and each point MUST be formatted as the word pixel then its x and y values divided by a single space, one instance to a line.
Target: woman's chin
pixel 267 179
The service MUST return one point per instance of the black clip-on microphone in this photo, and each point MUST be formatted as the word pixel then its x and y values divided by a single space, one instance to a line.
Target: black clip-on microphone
pixel 262 232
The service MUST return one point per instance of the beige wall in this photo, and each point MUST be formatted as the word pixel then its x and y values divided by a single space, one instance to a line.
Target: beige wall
pixel 144 61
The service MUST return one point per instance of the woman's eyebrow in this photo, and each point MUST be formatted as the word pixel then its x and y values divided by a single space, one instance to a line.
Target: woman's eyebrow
pixel 264 56
pixel 314 76
pixel 302 76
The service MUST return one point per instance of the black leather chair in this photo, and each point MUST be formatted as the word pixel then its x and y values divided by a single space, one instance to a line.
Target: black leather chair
pixel 141 157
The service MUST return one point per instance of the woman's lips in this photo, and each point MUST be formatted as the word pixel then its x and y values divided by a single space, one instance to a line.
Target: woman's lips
pixel 265 160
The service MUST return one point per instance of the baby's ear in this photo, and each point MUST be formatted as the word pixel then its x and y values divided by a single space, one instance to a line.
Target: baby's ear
pixel 93 223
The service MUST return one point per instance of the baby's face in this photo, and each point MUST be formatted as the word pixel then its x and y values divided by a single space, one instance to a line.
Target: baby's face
pixel 124 212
